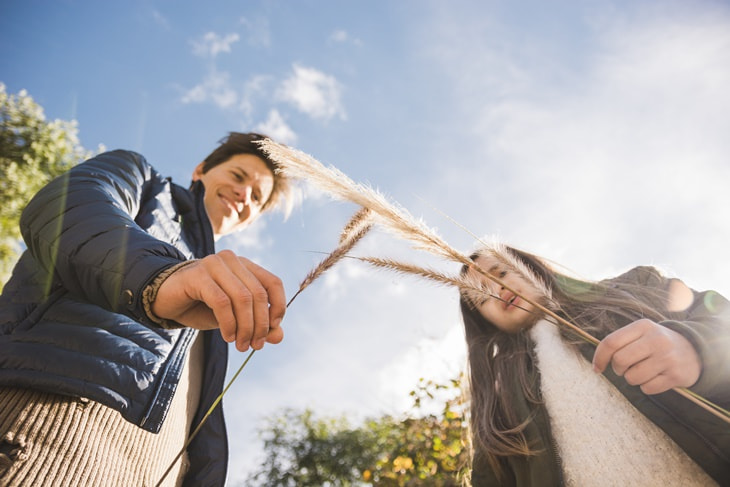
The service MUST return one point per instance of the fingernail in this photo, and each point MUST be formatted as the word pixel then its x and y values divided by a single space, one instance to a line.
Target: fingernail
pixel 260 343
pixel 244 346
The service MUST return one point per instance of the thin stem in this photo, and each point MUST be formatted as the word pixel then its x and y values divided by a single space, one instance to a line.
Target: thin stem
pixel 705 404
pixel 578 331
pixel 202 421
pixel 443 279
pixel 358 226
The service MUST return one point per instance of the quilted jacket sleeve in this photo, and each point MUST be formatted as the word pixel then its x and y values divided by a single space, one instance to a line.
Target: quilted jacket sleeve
pixel 706 324
pixel 81 229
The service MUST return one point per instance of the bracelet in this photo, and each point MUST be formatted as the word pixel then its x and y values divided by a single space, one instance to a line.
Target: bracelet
pixel 150 294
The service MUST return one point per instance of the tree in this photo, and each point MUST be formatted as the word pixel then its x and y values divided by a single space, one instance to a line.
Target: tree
pixel 32 152
pixel 420 449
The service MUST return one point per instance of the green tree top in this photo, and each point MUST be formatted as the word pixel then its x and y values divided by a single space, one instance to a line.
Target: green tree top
pixel 421 449
pixel 32 152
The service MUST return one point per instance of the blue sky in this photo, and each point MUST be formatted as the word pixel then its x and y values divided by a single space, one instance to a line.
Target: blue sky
pixel 591 132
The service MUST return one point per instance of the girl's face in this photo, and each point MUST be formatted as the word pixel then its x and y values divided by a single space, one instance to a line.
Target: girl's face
pixel 502 307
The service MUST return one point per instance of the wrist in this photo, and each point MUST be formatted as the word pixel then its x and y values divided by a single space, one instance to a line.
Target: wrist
pixel 150 294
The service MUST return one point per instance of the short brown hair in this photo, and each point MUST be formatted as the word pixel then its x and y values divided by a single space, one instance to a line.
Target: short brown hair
pixel 247 143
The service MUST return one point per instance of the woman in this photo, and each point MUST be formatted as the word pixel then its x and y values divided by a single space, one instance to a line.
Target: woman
pixel 541 415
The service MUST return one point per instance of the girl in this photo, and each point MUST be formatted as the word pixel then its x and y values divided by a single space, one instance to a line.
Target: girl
pixel 541 414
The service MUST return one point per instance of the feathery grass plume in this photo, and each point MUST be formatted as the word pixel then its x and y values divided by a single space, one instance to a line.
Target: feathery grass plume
pixel 464 283
pixel 298 165
pixel 354 231
pixel 475 290
pixel 357 227
pixel 501 252
pixel 360 219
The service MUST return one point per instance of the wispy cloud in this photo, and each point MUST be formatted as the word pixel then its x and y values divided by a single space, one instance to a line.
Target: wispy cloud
pixel 258 31
pixel 211 44
pixel 307 90
pixel 251 241
pixel 624 149
pixel 256 88
pixel 215 88
pixel 341 36
pixel 313 92
pixel 160 19
pixel 276 127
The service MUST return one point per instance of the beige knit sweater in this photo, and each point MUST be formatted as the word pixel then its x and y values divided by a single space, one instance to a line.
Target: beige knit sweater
pixel 50 440
pixel 602 439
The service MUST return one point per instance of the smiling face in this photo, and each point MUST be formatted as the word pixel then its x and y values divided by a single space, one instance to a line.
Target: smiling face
pixel 235 191
pixel 504 308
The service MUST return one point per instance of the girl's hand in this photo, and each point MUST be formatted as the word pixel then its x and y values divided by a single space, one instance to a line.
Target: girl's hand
pixel 649 355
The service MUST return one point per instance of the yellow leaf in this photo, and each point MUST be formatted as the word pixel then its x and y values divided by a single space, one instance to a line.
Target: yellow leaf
pixel 402 464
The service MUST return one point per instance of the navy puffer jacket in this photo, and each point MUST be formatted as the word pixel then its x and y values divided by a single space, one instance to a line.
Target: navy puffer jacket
pixel 71 316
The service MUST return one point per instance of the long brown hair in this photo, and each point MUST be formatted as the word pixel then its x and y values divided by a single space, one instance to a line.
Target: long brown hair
pixel 501 364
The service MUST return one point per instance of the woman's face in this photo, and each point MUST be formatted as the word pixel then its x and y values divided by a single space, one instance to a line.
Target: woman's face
pixel 502 307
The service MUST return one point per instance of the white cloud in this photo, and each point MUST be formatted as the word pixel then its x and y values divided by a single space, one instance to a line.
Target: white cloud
pixel 160 19
pixel 276 127
pixel 617 161
pixel 600 159
pixel 258 31
pixel 313 93
pixel 211 44
pixel 341 36
pixel 253 90
pixel 253 238
pixel 215 88
pixel 438 359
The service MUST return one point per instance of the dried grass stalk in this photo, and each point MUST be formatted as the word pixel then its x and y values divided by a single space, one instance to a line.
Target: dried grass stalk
pixel 464 283
pixel 296 164
pixel 362 218
pixel 503 255
pixel 357 227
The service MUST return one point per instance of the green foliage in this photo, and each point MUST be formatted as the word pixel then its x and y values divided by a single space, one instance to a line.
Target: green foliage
pixel 418 450
pixel 32 152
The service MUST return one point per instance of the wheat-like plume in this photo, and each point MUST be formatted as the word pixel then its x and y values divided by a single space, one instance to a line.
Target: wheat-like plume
pixel 362 218
pixel 298 165
pixel 464 283
pixel 357 227
pixel 502 253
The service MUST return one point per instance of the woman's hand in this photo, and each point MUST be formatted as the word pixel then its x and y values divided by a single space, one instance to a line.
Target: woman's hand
pixel 229 292
pixel 649 355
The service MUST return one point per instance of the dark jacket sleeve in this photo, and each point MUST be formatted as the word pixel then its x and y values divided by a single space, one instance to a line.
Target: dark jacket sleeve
pixel 81 229
pixel 706 324
pixel 707 327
